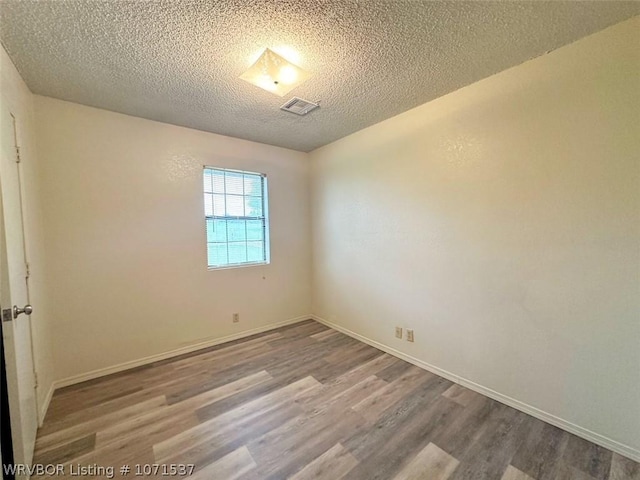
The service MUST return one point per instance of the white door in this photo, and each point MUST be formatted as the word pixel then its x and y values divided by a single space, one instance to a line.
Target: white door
pixel 16 331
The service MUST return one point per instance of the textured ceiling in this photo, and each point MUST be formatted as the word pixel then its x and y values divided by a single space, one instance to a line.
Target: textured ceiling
pixel 179 61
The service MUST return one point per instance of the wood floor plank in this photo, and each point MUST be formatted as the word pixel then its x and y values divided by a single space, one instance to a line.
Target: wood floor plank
pixel 167 379
pixel 210 362
pixel 588 457
pixel 130 380
pixel 339 369
pixel 212 427
pixel 431 463
pixel 65 452
pixel 325 334
pixel 332 387
pixel 60 406
pixel 316 427
pixel 279 360
pixel 44 443
pixel 221 406
pixel 463 431
pixel 286 450
pixel 311 354
pixel 304 401
pixel 394 371
pixel 374 405
pixel 177 412
pixel 460 394
pixel 230 467
pixel 541 451
pixel 129 455
pixel 138 446
pixel 400 417
pixel 512 473
pixel 350 354
pixel 81 415
pixel 490 454
pixel 224 441
pixel 623 469
pixel 346 398
pixel 333 464
pixel 302 333
pixel 403 439
pixel 564 471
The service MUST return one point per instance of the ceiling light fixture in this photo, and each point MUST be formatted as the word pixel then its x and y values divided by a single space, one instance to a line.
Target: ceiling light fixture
pixel 275 74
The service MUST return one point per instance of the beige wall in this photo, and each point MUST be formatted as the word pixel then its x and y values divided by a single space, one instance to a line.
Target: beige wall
pixel 502 223
pixel 17 97
pixel 125 237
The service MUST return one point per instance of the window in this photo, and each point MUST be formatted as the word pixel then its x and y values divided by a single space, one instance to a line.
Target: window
pixel 235 208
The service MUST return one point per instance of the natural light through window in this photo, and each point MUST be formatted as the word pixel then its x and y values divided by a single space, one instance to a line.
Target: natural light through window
pixel 235 208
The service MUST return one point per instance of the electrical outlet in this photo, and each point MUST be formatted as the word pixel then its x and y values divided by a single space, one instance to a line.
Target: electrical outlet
pixel 398 332
pixel 409 335
pixel 236 317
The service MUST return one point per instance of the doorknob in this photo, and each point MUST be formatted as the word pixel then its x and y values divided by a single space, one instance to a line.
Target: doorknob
pixel 28 310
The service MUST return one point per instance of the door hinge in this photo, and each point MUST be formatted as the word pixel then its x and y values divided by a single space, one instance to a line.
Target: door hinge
pixel 17 154
pixel 28 270
pixel 35 379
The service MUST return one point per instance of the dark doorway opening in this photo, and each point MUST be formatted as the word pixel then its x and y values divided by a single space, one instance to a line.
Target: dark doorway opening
pixel 5 419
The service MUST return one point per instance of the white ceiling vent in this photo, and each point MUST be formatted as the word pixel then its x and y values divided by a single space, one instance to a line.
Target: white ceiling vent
pixel 299 106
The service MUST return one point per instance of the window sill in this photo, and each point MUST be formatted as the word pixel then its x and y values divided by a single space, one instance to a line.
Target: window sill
pixel 238 265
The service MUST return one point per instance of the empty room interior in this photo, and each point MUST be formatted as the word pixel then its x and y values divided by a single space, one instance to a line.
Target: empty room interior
pixel 320 239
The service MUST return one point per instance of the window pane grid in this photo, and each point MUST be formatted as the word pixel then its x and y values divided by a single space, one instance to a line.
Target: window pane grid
pixel 235 216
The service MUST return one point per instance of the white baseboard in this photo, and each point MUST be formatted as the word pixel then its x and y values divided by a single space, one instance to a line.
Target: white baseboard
pixel 587 434
pixel 45 405
pixel 83 377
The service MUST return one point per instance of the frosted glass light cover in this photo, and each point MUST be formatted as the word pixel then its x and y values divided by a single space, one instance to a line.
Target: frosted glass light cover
pixel 275 74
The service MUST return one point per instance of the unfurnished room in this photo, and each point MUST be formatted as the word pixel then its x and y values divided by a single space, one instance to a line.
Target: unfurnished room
pixel 320 239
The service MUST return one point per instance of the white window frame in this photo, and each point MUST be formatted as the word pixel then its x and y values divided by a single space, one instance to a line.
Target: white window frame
pixel 264 218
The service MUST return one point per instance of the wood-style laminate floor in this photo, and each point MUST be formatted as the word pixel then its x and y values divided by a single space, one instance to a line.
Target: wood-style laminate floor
pixel 302 402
